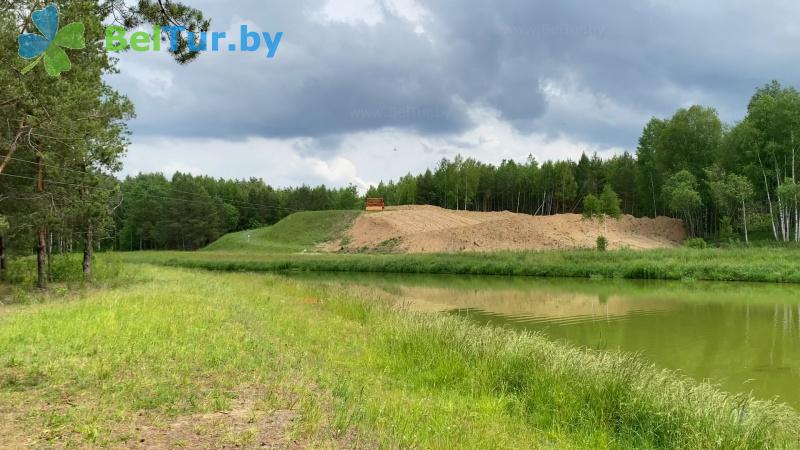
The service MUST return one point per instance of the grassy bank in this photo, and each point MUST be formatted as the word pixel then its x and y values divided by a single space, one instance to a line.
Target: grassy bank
pixel 295 233
pixel 197 359
pixel 776 265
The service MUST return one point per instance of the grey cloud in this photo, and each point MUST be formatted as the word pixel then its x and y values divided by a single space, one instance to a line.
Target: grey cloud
pixel 332 79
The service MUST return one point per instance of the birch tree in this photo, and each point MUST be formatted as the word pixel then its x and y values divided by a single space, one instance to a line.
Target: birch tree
pixel 774 115
pixel 681 196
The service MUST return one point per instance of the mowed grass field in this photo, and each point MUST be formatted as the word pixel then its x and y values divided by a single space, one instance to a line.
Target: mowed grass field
pixel 193 359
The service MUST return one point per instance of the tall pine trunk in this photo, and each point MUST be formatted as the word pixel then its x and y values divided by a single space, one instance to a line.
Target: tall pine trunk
pixel 41 233
pixel 653 190
pixel 3 262
pixel 88 238
pixel 50 257
pixel 41 258
pixel 88 252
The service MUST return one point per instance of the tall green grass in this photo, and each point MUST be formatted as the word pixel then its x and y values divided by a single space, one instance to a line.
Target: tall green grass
pixel 104 369
pixel 775 265
pixel 295 233
pixel 65 271
pixel 616 400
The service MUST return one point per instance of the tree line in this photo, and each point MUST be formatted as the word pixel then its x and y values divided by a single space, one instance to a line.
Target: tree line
pixel 723 180
pixel 189 212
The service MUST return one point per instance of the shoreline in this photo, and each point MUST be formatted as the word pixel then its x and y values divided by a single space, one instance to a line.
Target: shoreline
pixel 758 265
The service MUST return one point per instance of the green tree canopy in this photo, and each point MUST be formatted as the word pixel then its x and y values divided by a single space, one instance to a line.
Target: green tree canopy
pixel 592 207
pixel 681 196
pixel 610 202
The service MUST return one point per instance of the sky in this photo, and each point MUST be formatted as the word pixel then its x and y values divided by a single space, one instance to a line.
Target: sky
pixel 366 90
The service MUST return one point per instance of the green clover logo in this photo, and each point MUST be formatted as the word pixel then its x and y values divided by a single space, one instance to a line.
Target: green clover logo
pixel 51 43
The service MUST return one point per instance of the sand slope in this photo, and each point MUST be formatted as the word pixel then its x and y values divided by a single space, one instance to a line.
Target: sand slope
pixel 429 229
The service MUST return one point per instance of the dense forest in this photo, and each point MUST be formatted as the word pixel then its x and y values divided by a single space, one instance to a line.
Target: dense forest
pixel 188 212
pixel 724 181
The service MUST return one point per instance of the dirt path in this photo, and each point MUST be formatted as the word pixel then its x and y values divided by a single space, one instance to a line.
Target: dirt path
pixel 429 229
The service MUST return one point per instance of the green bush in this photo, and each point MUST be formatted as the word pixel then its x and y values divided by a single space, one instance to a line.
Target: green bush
pixel 602 243
pixel 726 233
pixel 592 207
pixel 696 243
pixel 610 202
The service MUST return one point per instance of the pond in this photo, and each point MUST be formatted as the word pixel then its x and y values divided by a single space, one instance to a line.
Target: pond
pixel 744 337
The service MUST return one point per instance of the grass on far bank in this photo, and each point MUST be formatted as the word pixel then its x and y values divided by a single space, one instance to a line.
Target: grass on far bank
pixel 776 265
pixel 199 359
pixel 296 233
pixel 290 245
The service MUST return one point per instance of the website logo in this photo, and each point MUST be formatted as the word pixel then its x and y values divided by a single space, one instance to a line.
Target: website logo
pixel 118 40
pixel 49 46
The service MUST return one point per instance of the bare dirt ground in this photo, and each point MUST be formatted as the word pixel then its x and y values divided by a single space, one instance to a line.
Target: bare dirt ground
pixel 251 422
pixel 429 229
pixel 239 428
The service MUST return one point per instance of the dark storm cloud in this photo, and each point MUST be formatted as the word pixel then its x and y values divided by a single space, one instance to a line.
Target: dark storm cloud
pixel 326 79
pixel 611 65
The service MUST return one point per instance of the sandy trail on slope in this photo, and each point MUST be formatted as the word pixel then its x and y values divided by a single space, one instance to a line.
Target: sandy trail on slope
pixel 430 229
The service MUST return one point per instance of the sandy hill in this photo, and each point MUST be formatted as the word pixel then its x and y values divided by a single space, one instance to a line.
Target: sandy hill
pixel 429 229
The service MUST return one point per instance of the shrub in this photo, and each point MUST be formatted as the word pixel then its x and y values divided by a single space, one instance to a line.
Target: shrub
pixel 609 201
pixel 726 229
pixel 592 207
pixel 696 243
pixel 602 243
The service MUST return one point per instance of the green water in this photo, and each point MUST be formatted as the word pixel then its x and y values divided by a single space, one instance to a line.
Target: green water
pixel 744 337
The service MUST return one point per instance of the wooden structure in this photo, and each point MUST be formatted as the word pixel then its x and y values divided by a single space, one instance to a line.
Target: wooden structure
pixel 375 204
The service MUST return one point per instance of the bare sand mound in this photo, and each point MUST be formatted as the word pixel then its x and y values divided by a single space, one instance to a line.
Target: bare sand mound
pixel 429 229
